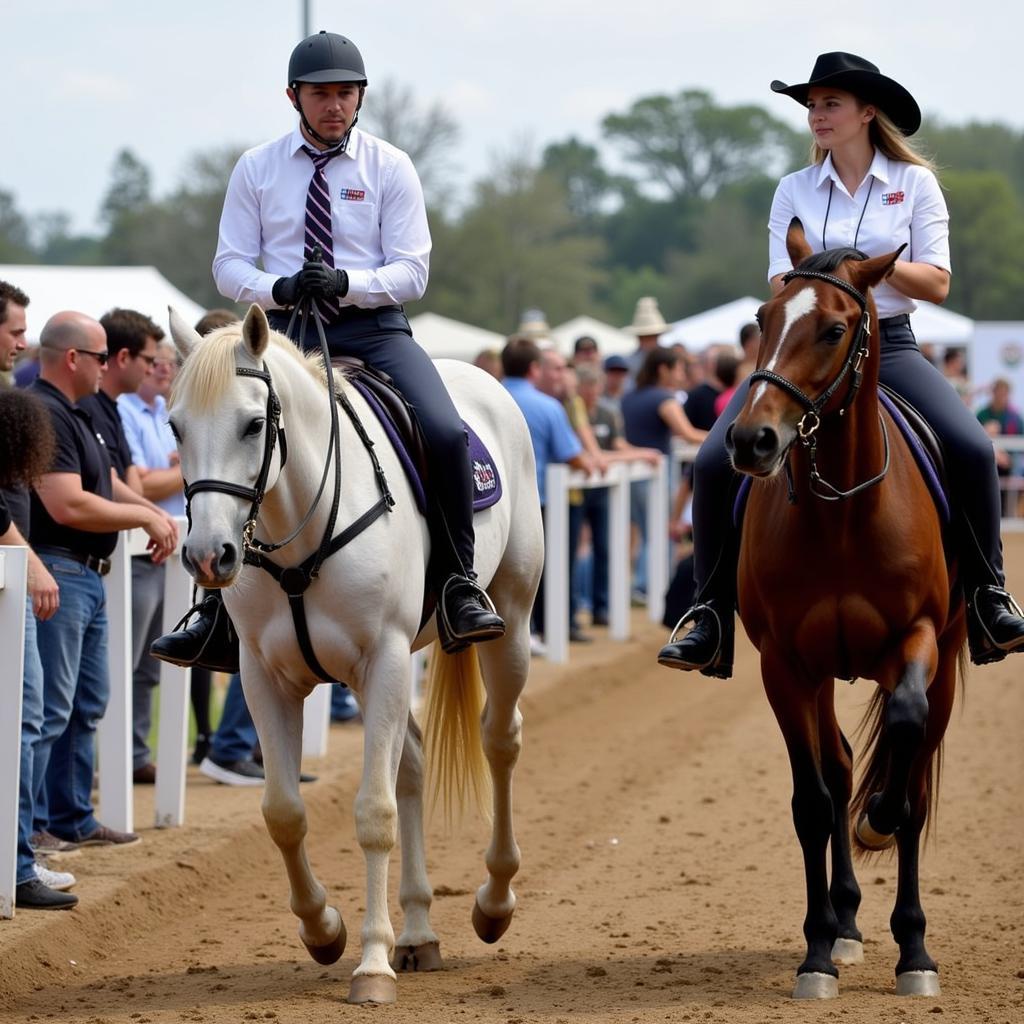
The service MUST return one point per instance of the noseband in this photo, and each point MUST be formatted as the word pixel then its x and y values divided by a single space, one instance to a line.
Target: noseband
pixel 813 408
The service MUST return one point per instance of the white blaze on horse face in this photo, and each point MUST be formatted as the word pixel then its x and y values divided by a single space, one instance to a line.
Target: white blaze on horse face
pixel 800 305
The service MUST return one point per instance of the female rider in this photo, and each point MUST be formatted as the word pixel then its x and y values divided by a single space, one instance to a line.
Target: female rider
pixel 868 188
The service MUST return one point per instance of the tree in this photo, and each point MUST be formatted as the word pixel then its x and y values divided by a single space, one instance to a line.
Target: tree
pixel 130 185
pixel 686 146
pixel 428 134
pixel 515 246
pixel 576 166
pixel 15 240
pixel 985 246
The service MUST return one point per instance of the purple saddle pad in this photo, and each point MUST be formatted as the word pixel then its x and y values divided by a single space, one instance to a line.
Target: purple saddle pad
pixel 486 481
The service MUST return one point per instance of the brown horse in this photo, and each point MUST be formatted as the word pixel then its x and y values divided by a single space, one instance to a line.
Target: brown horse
pixel 842 574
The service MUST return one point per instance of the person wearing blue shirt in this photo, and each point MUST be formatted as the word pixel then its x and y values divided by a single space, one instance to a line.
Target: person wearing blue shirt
pixel 553 438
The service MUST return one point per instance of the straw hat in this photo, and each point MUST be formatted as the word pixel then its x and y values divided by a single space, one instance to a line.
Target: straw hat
pixel 647 319
pixel 534 327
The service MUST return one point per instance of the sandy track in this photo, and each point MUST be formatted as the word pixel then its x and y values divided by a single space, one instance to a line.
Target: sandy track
pixel 661 877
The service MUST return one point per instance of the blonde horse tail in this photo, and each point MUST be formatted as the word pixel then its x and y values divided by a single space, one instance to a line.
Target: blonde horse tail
pixel 457 771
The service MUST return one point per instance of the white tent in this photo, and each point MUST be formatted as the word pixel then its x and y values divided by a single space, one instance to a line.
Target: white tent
pixel 444 338
pixel 722 324
pixel 610 340
pixel 95 290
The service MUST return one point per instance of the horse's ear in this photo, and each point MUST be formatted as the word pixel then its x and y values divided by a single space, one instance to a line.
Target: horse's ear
pixel 184 335
pixel 867 273
pixel 256 331
pixel 796 242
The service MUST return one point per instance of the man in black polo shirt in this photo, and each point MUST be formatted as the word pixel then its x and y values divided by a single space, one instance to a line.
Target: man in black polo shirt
pixel 77 510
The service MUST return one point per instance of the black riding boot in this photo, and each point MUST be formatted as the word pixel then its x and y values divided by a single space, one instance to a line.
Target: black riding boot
pixel 708 647
pixel 995 625
pixel 209 640
pixel 465 614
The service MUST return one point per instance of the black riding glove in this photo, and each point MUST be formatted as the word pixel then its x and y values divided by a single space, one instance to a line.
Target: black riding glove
pixel 315 278
pixel 322 281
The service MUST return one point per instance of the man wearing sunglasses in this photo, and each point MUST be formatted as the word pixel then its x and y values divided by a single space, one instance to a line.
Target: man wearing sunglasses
pixel 77 509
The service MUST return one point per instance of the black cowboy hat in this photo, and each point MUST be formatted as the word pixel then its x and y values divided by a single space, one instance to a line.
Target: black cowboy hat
pixel 859 76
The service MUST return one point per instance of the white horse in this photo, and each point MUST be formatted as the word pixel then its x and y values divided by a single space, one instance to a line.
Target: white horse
pixel 363 613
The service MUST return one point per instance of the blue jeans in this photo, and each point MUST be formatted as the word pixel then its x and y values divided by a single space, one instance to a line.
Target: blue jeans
pixel 31 726
pixel 638 491
pixel 592 585
pixel 235 738
pixel 76 688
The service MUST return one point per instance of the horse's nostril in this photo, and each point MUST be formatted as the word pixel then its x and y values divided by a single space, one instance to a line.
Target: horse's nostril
pixel 228 557
pixel 766 442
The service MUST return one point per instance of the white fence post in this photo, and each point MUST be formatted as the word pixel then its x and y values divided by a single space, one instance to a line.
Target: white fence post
pixel 114 732
pixel 619 568
pixel 175 694
pixel 13 588
pixel 657 542
pixel 556 563
pixel 316 720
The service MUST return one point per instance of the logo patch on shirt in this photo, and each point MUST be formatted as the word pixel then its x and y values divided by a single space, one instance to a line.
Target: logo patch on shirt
pixel 892 198
pixel 358 195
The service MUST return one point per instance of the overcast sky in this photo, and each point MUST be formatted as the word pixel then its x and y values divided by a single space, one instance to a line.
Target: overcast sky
pixel 81 79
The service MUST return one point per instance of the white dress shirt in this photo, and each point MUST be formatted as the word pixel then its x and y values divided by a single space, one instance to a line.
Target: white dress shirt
pixel 896 202
pixel 379 221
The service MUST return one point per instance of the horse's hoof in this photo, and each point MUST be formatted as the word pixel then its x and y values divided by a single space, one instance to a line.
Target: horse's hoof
pixel 917 983
pixel 372 988
pixel 331 952
pixel 847 951
pixel 869 838
pixel 816 986
pixel 490 929
pixel 424 957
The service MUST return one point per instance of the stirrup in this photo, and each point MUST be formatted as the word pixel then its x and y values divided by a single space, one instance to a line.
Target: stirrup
pixel 690 616
pixel 719 666
pixel 452 642
pixel 984 648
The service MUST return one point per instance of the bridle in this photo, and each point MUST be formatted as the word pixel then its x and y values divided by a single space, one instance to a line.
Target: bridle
pixel 813 408
pixel 295 580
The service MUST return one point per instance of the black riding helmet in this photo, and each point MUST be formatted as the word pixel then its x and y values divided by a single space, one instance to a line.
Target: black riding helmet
pixel 326 57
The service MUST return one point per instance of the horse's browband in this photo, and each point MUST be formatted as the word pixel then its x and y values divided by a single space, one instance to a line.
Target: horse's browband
pixel 838 282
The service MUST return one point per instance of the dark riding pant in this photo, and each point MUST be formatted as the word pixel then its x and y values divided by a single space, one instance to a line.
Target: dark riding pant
pixel 382 339
pixel 970 467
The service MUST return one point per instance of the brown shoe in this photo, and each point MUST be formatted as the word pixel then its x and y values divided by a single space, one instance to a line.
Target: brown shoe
pixel 103 836
pixel 146 775
pixel 46 844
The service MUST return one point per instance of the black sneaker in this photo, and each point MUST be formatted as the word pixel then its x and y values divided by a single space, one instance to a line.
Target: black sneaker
pixel 34 895
pixel 241 773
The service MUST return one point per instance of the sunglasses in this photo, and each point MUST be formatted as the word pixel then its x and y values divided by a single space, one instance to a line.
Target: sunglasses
pixel 100 357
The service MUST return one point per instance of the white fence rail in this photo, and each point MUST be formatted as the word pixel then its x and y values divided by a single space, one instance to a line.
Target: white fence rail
pixel 620 475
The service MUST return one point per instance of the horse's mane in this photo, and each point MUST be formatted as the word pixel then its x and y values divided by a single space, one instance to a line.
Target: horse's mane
pixel 209 370
pixel 827 262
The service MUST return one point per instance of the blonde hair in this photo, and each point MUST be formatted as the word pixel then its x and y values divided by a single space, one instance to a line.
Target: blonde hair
pixel 887 139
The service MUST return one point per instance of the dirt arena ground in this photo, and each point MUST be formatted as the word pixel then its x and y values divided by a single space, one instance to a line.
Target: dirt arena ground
pixel 661 879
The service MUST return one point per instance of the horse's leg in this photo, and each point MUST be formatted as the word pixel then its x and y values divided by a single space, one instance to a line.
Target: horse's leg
pixel 904 723
pixel 796 709
pixel 505 664
pixel 385 717
pixel 916 971
pixel 417 948
pixel 278 719
pixel 837 770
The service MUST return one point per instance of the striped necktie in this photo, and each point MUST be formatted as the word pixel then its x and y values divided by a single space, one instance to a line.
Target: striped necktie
pixel 318 223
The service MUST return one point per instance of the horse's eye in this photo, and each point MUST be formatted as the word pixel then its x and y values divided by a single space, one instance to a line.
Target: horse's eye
pixel 255 427
pixel 835 334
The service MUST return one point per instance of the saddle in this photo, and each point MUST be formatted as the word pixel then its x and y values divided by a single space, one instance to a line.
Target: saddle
pixel 399 421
